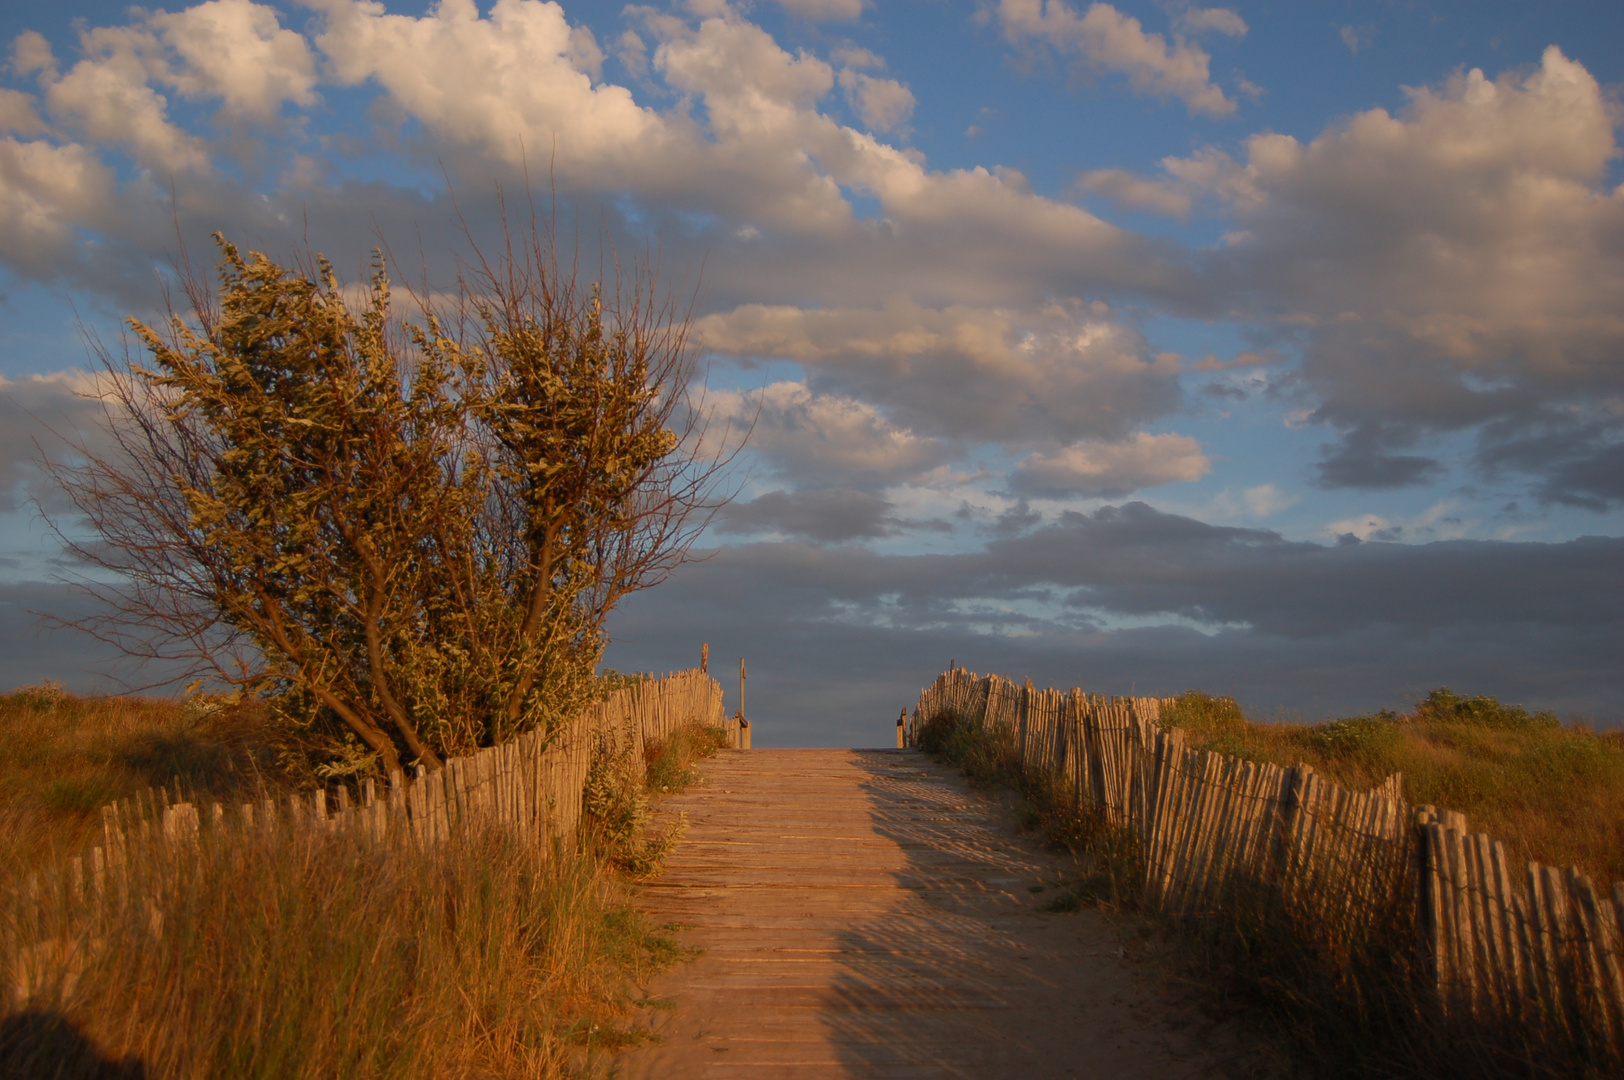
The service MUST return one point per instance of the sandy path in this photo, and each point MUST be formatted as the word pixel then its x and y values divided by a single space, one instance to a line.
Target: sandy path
pixel 864 914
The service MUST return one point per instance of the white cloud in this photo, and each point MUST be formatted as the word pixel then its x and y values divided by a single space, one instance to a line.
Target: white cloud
pixel 827 439
pixel 17 114
pixel 1110 41
pixel 1212 20
pixel 507 84
pixel 46 192
pixel 107 99
pixel 1058 374
pixel 1137 193
pixel 1266 500
pixel 1112 468
pixel 1356 37
pixel 239 52
pixel 31 55
pixel 883 104
pixel 1450 266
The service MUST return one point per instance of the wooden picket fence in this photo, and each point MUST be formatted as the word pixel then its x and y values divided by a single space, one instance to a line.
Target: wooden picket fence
pixel 1536 954
pixel 532 784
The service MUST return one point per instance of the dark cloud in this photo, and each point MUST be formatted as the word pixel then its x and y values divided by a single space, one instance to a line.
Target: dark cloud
pixel 1364 459
pixel 822 676
pixel 1367 469
pixel 1580 464
pixel 34 646
pixel 845 636
pixel 1595 481
pixel 831 515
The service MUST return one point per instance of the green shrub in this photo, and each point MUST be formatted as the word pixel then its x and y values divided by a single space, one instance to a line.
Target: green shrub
pixel 1373 736
pixel 1443 706
pixel 668 763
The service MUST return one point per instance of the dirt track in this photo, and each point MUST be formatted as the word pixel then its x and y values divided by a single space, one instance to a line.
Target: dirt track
pixel 865 914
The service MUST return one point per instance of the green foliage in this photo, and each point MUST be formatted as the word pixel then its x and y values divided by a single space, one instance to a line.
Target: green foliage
pixel 668 763
pixel 1375 736
pixel 610 680
pixel 42 697
pixel 1443 707
pixel 615 805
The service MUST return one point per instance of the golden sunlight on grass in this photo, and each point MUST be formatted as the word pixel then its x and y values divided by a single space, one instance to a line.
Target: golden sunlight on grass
pixel 1551 792
pixel 62 758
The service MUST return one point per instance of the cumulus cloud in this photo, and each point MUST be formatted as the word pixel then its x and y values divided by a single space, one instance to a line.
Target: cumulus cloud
pixel 1059 374
pixel 238 52
pixel 47 193
pixel 1111 468
pixel 106 98
pixel 823 438
pixel 18 115
pixel 883 104
pixel 1136 192
pixel 510 83
pixel 1454 266
pixel 1108 41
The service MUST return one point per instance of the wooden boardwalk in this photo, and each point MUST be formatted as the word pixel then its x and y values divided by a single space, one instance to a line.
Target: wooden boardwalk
pixel 864 914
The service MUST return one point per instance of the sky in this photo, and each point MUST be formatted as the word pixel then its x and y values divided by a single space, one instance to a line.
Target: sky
pixel 1273 350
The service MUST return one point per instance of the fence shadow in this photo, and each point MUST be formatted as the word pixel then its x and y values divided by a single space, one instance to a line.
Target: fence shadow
pixel 969 977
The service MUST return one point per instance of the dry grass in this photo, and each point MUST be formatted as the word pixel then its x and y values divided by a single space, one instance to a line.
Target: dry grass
pixel 314 955
pixel 62 758
pixel 1552 792
pixel 302 954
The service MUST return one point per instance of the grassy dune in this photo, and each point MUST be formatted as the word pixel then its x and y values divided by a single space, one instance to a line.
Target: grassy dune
pixel 1552 792
pixel 62 758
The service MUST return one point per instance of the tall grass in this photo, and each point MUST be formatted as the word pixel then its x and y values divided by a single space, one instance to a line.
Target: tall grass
pixel 310 954
pixel 301 952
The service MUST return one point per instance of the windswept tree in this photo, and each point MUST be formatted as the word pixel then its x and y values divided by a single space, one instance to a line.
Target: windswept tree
pixel 406 535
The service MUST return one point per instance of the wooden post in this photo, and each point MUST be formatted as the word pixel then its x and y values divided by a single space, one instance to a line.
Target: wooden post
pixel 901 720
pixel 704 657
pixel 744 724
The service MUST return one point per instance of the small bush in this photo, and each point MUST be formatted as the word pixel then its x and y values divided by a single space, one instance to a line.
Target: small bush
pixel 615 798
pixel 1442 706
pixel 1374 736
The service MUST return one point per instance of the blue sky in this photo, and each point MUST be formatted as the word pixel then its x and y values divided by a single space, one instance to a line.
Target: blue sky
pixel 1271 349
